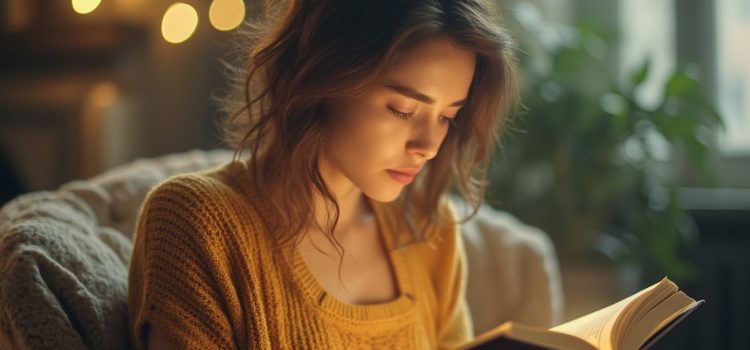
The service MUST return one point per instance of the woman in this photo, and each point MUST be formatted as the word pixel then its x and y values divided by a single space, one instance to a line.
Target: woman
pixel 335 231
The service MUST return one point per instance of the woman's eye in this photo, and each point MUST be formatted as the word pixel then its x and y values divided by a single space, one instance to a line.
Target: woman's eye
pixel 405 115
pixel 399 114
pixel 451 121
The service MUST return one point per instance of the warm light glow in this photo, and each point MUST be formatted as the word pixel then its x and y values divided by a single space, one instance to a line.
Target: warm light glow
pixel 226 14
pixel 179 22
pixel 104 94
pixel 85 6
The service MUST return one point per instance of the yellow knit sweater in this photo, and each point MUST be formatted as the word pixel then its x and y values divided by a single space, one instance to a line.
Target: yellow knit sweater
pixel 202 273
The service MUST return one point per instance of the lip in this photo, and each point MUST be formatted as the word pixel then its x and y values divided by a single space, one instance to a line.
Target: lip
pixel 401 177
pixel 407 171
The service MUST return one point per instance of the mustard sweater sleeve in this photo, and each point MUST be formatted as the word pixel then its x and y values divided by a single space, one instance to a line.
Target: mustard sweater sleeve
pixel 173 274
pixel 455 325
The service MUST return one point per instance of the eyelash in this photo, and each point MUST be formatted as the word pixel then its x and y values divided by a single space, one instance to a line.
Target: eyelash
pixel 403 115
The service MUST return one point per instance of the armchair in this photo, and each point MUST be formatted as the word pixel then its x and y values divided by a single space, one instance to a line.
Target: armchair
pixel 64 258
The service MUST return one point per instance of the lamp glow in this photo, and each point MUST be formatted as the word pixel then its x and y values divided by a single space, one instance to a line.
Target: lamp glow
pixel 85 6
pixel 179 22
pixel 226 14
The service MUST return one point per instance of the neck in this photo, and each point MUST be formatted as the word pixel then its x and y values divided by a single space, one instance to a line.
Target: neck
pixel 353 210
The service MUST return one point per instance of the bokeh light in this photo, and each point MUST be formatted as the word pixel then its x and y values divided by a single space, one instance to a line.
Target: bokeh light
pixel 179 22
pixel 85 6
pixel 226 14
pixel 104 94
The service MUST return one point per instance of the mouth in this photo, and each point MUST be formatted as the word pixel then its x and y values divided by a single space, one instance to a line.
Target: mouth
pixel 401 177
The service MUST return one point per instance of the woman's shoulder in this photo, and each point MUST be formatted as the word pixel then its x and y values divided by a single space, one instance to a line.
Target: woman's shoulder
pixel 198 207
pixel 210 197
pixel 441 255
pixel 199 188
pixel 448 234
pixel 444 235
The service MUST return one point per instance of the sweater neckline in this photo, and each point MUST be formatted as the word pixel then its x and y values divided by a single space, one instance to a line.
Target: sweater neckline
pixel 315 293
pixel 403 305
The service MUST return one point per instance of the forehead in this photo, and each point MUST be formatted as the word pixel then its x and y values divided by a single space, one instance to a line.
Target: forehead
pixel 437 67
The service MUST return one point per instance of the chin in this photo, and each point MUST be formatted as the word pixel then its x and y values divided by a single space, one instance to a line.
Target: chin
pixel 385 194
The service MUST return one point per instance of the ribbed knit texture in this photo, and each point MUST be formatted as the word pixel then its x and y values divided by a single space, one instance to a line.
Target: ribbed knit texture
pixel 202 272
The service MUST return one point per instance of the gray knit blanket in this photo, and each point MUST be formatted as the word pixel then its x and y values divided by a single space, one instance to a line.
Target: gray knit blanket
pixel 64 256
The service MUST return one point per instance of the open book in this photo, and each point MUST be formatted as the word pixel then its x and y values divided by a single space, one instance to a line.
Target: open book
pixel 635 322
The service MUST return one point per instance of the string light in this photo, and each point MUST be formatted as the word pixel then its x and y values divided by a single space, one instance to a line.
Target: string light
pixel 179 22
pixel 226 14
pixel 85 6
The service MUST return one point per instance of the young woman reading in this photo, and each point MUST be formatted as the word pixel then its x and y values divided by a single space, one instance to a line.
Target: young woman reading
pixel 335 231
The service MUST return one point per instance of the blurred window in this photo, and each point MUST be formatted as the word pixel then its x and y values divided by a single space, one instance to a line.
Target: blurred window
pixel 648 34
pixel 733 73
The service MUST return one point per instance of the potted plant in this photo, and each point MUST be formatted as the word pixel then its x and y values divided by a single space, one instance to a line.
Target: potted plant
pixel 579 161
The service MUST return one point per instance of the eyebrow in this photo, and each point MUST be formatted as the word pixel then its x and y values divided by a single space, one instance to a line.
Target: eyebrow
pixel 412 93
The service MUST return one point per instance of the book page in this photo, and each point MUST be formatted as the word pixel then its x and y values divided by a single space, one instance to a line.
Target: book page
pixel 591 327
pixel 595 327
pixel 640 307
pixel 656 319
pixel 639 317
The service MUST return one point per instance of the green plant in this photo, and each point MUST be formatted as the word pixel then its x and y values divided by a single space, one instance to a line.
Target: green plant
pixel 579 163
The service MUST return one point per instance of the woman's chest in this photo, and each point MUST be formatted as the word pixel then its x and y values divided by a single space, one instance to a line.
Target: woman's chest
pixel 366 274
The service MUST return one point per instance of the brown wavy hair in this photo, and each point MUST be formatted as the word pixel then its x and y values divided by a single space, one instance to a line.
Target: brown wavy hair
pixel 297 55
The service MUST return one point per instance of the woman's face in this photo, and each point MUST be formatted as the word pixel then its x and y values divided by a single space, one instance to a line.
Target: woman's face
pixel 399 124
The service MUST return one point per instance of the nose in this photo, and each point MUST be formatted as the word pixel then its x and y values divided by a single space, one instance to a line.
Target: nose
pixel 426 138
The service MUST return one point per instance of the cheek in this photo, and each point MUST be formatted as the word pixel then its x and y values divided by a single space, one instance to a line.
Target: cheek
pixel 365 135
